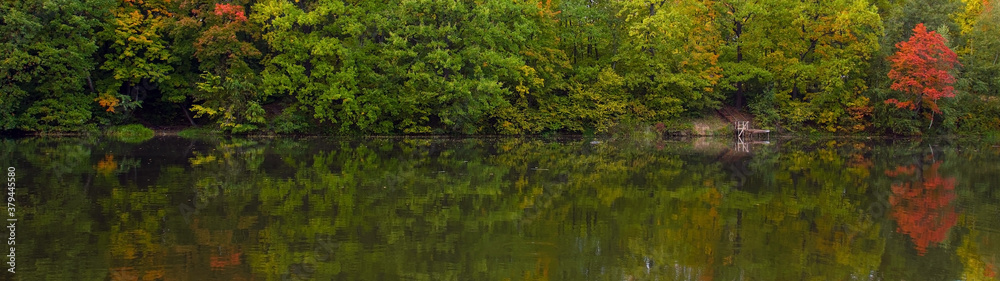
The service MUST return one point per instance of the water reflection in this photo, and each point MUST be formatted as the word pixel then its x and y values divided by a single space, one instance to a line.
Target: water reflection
pixel 922 203
pixel 506 209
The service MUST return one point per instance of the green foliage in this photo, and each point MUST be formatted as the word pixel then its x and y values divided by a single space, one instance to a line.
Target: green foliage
pixel 226 101
pixel 815 55
pixel 476 67
pixel 764 107
pixel 992 137
pixel 671 59
pixel 507 208
pixel 462 59
pixel 137 54
pixel 290 121
pixel 981 71
pixel 979 114
pixel 46 51
pixel 131 133
pixel 311 58
pixel 635 132
pixel 220 38
pixel 69 113
pixel 890 120
pixel 935 14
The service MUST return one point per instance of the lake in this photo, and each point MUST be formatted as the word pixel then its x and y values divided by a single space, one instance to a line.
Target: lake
pixel 504 209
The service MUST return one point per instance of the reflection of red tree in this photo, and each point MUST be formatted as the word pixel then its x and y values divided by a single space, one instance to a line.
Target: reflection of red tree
pixel 228 254
pixel 107 166
pixel 221 261
pixel 922 206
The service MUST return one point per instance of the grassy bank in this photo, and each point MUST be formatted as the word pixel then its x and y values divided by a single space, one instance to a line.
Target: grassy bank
pixel 132 133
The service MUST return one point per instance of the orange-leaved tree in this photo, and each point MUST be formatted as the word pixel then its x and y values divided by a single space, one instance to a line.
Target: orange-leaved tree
pixel 921 68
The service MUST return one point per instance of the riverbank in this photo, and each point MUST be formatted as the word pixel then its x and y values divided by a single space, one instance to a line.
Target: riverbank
pixel 690 127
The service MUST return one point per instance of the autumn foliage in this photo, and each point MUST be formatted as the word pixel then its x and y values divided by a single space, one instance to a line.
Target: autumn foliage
pixel 921 68
pixel 107 166
pixel 922 204
pixel 107 101
pixel 495 67
pixel 222 261
pixel 232 11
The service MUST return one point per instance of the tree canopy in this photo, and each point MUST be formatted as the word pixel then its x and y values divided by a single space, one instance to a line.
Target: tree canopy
pixel 484 67
pixel 922 69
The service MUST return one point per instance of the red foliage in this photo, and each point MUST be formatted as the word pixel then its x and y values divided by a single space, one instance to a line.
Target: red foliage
pixel 922 206
pixel 901 170
pixel 545 9
pixel 921 68
pixel 235 12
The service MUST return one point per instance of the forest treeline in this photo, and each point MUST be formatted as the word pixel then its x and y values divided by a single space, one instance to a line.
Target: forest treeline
pixel 498 66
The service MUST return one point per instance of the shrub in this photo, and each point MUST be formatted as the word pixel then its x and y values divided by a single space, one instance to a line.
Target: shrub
pixel 70 113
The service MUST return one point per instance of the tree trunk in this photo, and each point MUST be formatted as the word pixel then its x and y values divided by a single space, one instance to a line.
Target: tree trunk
pixel 90 83
pixel 932 121
pixel 186 114
pixel 740 87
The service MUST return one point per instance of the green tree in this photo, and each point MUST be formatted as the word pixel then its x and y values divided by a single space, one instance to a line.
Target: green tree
pixel 936 15
pixel 980 62
pixel 454 61
pixel 46 51
pixel 800 63
pixel 670 56
pixel 138 55
pixel 737 21
pixel 977 101
pixel 313 46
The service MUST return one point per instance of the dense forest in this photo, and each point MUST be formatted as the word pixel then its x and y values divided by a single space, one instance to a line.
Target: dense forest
pixel 498 66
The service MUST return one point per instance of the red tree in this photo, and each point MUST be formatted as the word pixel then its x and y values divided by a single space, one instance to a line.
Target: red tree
pixel 921 68
pixel 235 12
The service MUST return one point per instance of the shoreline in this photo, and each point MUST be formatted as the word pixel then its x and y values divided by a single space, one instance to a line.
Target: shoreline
pixel 670 134
pixel 708 126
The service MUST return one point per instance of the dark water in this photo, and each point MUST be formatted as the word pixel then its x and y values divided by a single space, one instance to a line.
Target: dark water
pixel 504 209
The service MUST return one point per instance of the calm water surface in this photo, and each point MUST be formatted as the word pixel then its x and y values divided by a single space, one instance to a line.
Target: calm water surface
pixel 504 209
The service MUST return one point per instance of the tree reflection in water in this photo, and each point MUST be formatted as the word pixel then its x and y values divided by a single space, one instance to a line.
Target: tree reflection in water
pixel 922 203
pixel 503 209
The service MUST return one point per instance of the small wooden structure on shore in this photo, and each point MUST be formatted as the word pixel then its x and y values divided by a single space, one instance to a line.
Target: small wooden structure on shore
pixel 743 128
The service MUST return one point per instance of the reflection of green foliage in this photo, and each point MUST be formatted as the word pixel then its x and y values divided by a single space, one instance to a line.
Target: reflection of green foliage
pixel 804 205
pixel 197 133
pixel 491 209
pixel 52 212
pixel 132 133
pixel 53 185
pixel 57 156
